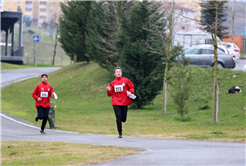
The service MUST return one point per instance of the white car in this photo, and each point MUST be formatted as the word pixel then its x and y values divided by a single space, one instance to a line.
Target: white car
pixel 233 49
pixel 223 49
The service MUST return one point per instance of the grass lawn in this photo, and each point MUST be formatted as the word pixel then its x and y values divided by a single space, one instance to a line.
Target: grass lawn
pixel 84 107
pixel 8 66
pixel 57 153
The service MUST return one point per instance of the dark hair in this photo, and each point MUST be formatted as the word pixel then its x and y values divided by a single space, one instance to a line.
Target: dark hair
pixel 44 75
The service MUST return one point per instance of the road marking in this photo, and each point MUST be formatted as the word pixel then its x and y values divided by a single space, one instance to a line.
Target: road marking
pixel 35 126
pixel 19 121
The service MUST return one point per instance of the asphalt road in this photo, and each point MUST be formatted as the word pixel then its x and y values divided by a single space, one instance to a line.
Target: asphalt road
pixel 154 151
pixel 16 75
pixel 240 65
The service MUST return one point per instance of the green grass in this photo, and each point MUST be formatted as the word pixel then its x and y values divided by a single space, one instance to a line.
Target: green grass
pixel 8 66
pixel 57 153
pixel 84 107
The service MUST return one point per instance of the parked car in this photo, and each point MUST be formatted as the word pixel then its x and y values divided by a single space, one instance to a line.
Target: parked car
pixel 223 49
pixel 203 55
pixel 233 49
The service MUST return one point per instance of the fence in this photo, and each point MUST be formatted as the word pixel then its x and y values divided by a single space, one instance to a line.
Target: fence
pixel 244 46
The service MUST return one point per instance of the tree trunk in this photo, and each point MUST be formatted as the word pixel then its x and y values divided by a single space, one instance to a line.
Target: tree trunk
pixel 56 41
pixel 170 24
pixel 215 63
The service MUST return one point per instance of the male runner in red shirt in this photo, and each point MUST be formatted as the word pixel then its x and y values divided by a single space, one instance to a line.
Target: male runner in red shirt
pixel 42 94
pixel 120 89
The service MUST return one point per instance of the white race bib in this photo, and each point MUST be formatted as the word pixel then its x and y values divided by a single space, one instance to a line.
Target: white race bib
pixel 44 94
pixel 118 88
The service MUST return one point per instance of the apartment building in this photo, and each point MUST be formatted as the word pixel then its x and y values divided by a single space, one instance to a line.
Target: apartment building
pixel 37 10
pixel 192 5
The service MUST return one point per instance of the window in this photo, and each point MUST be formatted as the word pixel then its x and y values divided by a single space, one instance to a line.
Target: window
pixel 208 41
pixel 183 28
pixel 221 50
pixel 19 3
pixel 42 17
pixel 10 3
pixel 29 2
pixel 28 9
pixel 9 9
pixel 193 51
pixel 42 3
pixel 207 51
pixel 29 16
pixel 42 10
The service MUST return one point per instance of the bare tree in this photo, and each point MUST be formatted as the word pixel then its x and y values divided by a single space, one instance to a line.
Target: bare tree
pixel 54 28
pixel 165 36
pixel 236 12
pixel 232 13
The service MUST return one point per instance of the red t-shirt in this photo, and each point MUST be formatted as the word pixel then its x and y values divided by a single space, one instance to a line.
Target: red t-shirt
pixel 43 91
pixel 119 88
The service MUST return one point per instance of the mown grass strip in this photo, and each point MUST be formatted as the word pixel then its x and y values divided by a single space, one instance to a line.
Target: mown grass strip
pixel 57 153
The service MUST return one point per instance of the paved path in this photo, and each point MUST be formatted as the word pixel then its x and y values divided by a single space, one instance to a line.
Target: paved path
pixel 156 151
pixel 16 75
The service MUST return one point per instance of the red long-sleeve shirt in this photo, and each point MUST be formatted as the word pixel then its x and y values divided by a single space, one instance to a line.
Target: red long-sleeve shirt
pixel 43 91
pixel 118 91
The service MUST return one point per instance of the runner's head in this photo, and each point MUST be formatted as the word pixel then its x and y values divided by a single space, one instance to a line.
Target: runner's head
pixel 44 78
pixel 118 72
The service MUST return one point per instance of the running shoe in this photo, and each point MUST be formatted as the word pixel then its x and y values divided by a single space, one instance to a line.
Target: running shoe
pixel 42 132
pixel 36 118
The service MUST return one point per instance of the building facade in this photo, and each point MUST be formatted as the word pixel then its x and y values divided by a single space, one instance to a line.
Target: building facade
pixel 38 11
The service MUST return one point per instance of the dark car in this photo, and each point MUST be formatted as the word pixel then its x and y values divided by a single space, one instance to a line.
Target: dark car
pixel 203 55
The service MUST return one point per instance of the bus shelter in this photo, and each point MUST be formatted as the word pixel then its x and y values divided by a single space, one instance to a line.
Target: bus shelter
pixel 9 52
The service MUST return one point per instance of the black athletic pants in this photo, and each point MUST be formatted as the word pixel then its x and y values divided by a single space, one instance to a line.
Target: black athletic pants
pixel 43 114
pixel 121 115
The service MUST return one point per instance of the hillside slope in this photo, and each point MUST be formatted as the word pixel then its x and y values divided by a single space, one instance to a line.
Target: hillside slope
pixel 84 107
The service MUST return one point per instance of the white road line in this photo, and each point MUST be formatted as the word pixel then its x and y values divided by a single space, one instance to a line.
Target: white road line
pixel 35 126
pixel 19 121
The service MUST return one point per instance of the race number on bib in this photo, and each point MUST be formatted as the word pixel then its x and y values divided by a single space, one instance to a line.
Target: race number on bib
pixel 118 88
pixel 44 94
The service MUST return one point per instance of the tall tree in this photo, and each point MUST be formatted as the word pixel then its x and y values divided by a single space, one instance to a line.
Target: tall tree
pixel 19 9
pixel 27 21
pixel 102 30
pixel 208 16
pixel 216 6
pixel 138 64
pixel 73 30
